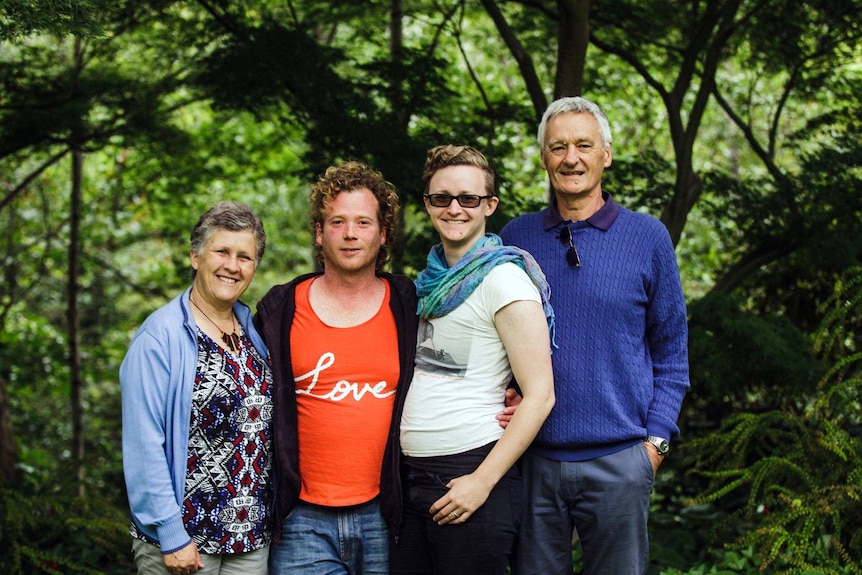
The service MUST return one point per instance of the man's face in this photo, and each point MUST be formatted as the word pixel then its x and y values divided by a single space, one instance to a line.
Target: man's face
pixel 350 236
pixel 574 155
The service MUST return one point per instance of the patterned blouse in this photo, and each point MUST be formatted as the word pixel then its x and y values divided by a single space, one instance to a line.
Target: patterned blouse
pixel 228 494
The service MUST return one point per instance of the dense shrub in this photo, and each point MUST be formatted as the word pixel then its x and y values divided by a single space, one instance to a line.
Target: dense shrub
pixel 794 472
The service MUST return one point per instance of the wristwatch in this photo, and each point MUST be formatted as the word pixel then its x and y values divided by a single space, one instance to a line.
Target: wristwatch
pixel 661 444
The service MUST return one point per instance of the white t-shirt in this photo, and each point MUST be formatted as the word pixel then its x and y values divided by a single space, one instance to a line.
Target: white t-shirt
pixel 462 371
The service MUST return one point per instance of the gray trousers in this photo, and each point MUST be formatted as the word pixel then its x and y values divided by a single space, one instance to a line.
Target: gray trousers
pixel 148 560
pixel 605 499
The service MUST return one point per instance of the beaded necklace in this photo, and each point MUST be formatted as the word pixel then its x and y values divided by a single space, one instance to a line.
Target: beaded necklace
pixel 230 339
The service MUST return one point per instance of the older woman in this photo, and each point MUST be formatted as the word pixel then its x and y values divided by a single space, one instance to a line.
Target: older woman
pixel 196 393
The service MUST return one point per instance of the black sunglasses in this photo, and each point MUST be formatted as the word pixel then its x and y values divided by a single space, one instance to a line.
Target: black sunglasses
pixel 464 200
pixel 571 254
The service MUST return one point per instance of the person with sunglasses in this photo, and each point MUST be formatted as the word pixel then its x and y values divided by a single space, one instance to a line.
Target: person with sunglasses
pixel 484 316
pixel 621 370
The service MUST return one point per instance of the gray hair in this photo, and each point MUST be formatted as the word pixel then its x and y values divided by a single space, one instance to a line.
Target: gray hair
pixel 232 216
pixel 576 104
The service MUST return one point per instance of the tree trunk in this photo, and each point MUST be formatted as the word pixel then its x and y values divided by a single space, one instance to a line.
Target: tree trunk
pixel 398 100
pixel 396 59
pixel 8 446
pixel 573 37
pixel 76 383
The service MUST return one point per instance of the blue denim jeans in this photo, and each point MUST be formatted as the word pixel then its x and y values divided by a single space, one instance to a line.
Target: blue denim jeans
pixel 318 540
pixel 606 499
pixel 479 546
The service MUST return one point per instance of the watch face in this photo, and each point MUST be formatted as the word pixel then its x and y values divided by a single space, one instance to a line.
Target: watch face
pixel 661 445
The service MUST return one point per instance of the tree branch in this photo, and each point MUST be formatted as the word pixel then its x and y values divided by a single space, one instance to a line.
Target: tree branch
pixel 522 57
pixel 10 197
pixel 767 252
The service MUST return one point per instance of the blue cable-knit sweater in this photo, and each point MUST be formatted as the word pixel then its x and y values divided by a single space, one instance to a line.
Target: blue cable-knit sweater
pixel 621 370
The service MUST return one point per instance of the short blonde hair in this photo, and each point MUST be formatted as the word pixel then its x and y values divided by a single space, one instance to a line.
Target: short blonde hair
pixel 440 157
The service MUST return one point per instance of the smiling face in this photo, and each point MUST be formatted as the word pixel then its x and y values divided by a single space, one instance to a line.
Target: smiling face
pixel 574 155
pixel 350 236
pixel 225 267
pixel 459 228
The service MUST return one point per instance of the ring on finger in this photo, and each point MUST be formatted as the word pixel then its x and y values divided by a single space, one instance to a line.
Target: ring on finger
pixel 456 515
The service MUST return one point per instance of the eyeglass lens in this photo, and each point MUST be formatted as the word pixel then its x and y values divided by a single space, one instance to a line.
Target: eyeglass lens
pixel 571 254
pixel 464 200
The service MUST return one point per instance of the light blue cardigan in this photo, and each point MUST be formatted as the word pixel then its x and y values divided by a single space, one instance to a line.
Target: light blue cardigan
pixel 157 379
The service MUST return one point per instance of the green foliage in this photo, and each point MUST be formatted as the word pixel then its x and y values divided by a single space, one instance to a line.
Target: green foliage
pixel 37 389
pixel 840 332
pixel 640 182
pixel 56 535
pixel 804 222
pixel 744 358
pixel 798 468
pixel 730 562
pixel 24 17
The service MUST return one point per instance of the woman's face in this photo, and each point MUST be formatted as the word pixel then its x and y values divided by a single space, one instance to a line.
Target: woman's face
pixel 459 228
pixel 225 267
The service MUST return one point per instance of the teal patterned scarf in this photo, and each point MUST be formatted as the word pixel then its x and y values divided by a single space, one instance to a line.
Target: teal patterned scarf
pixel 441 288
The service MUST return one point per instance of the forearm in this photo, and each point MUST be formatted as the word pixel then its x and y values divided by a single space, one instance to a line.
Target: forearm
pixel 520 432
pixel 469 492
pixel 524 332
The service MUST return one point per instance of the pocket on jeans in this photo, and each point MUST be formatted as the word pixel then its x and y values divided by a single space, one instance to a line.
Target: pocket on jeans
pixel 443 480
pixel 290 514
pixel 429 478
pixel 424 488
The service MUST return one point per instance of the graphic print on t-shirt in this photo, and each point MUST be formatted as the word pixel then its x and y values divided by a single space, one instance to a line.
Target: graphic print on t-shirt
pixel 341 389
pixel 433 360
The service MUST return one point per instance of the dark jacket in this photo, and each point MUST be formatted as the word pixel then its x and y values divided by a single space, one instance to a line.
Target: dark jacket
pixel 273 320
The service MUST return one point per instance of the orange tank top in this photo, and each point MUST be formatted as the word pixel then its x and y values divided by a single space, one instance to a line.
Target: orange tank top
pixel 345 381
